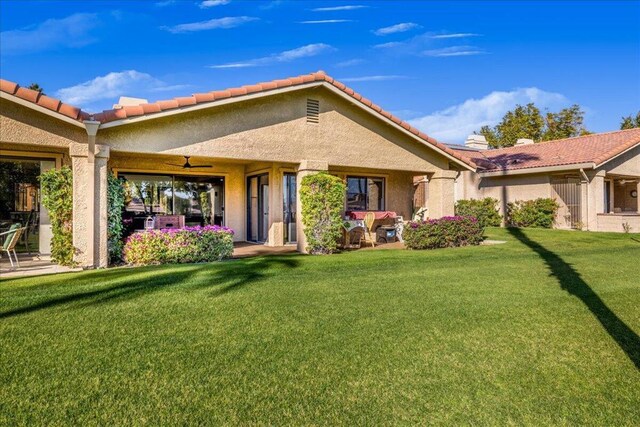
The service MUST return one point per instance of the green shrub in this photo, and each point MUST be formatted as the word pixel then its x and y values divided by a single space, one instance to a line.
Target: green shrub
pixel 446 232
pixel 540 213
pixel 484 210
pixel 115 228
pixel 322 197
pixel 176 246
pixel 57 197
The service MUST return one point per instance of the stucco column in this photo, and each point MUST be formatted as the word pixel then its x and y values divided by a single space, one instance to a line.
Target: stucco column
pixel 442 194
pixel 637 196
pixel 306 167
pixel 595 198
pixel 90 205
pixel 276 225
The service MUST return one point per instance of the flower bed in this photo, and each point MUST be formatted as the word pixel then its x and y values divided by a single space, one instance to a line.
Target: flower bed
pixel 446 232
pixel 184 245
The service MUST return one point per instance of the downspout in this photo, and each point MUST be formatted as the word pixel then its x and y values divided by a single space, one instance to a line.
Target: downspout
pixel 91 126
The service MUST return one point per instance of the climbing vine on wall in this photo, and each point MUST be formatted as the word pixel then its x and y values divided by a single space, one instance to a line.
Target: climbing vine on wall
pixel 57 197
pixel 115 228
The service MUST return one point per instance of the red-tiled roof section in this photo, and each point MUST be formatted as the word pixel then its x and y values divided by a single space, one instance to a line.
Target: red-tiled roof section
pixel 44 101
pixel 595 148
pixel 199 98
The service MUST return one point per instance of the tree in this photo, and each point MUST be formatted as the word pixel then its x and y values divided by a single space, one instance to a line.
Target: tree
pixel 528 122
pixel 630 122
pixel 36 87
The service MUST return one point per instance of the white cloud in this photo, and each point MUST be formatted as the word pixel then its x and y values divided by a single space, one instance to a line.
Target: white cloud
pixel 336 8
pixel 455 123
pixel 165 3
pixel 378 78
pixel 212 3
pixel 72 31
pixel 349 63
pixel 326 21
pixel 211 24
pixel 398 28
pixel 454 35
pixel 454 51
pixel 113 85
pixel 388 45
pixel 286 56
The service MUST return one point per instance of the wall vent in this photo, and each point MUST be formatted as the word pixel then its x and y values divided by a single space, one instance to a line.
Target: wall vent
pixel 313 110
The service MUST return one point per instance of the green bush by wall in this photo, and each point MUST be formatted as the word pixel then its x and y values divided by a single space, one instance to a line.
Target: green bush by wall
pixel 115 228
pixel 484 210
pixel 322 198
pixel 56 186
pixel 539 213
pixel 445 232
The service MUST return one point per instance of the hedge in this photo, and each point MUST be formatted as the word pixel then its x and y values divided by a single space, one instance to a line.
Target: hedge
pixel 56 186
pixel 540 213
pixel 445 232
pixel 115 227
pixel 484 210
pixel 176 246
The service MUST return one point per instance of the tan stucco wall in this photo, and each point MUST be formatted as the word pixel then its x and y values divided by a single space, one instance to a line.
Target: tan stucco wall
pixel 626 164
pixel 20 125
pixel 275 129
pixel 614 223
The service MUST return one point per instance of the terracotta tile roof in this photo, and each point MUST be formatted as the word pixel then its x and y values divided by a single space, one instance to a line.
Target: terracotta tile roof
pixel 44 101
pixel 595 148
pixel 199 98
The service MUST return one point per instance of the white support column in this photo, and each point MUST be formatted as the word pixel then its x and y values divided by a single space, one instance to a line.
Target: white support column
pixel 306 167
pixel 90 204
pixel 441 200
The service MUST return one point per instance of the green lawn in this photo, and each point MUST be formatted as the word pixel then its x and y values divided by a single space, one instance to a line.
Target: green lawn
pixel 540 330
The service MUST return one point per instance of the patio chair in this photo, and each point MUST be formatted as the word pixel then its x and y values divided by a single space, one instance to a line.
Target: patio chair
pixel 10 242
pixel 369 219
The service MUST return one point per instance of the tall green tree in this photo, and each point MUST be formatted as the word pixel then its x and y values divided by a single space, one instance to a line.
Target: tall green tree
pixel 630 122
pixel 528 122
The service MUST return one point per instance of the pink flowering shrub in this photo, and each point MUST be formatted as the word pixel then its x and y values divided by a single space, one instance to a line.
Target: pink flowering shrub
pixel 185 245
pixel 446 232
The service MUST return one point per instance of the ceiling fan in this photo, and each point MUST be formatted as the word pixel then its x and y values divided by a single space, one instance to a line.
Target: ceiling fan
pixel 188 165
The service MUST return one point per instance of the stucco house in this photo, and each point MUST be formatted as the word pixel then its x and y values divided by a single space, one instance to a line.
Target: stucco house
pixel 595 178
pixel 248 149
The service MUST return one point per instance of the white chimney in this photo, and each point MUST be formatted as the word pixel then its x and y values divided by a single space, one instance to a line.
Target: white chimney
pixel 479 142
pixel 524 141
pixel 126 101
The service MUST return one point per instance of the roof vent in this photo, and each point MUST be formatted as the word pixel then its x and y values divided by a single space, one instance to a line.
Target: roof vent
pixel 478 142
pixel 313 110
pixel 524 141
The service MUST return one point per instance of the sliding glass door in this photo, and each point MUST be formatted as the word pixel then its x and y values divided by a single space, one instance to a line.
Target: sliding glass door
pixel 289 207
pixel 258 208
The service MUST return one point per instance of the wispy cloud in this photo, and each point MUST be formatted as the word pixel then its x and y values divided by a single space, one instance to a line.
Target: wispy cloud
pixel 379 78
pixel 454 35
pixel 349 63
pixel 113 85
pixel 398 28
pixel 212 3
pixel 71 32
pixel 455 123
pixel 336 8
pixel 211 24
pixel 326 21
pixel 286 56
pixel 165 3
pixel 454 51
pixel 388 45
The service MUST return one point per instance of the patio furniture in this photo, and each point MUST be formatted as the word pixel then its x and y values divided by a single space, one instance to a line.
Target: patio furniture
pixel 369 219
pixel 169 221
pixel 10 242
pixel 30 226
pixel 399 225
pixel 353 226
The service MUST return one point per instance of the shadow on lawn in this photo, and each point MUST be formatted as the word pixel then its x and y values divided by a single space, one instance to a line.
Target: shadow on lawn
pixel 125 284
pixel 571 282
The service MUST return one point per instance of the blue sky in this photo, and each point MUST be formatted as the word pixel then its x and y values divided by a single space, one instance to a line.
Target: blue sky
pixel 447 67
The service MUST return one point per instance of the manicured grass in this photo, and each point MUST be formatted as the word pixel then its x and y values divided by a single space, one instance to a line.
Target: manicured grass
pixel 541 330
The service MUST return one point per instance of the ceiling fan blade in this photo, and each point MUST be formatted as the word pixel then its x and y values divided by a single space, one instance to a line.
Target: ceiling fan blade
pixel 201 166
pixel 173 164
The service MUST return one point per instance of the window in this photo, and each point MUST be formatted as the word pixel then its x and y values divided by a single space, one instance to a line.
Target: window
pixel 365 193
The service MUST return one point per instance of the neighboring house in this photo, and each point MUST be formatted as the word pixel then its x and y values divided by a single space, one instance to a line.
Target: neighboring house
pixel 259 141
pixel 595 178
